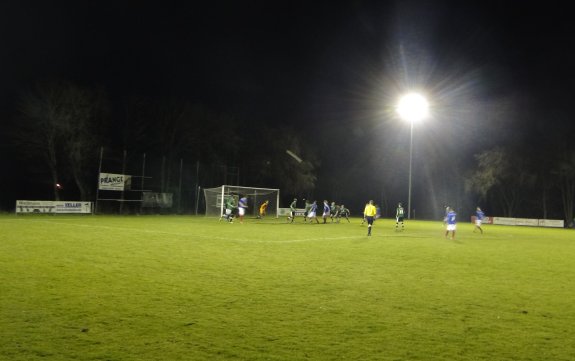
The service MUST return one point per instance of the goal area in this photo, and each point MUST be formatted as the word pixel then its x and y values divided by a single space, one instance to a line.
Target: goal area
pixel 256 196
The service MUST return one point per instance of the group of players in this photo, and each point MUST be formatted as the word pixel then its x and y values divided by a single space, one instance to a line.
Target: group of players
pixel 335 212
pixel 236 205
pixel 370 214
pixel 451 222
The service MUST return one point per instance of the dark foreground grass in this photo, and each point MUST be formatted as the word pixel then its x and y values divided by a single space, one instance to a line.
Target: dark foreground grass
pixel 183 288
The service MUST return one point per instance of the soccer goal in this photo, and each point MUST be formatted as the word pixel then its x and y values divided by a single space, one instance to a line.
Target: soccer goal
pixel 256 196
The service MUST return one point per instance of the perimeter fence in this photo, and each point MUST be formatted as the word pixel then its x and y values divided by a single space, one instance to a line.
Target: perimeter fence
pixel 143 183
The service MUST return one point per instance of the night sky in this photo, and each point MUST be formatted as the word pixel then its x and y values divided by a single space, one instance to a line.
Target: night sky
pixel 334 70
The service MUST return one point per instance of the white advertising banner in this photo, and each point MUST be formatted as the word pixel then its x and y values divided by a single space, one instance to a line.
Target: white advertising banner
pixel 552 223
pixel 528 222
pixel 504 221
pixel 23 206
pixel 114 182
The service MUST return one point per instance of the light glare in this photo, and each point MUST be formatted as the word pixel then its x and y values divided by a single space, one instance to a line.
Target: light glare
pixel 413 107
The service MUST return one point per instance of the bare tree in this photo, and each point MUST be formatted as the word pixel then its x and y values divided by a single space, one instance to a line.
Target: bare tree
pixel 565 179
pixel 502 174
pixel 84 123
pixel 61 123
pixel 294 175
pixel 178 129
pixel 39 133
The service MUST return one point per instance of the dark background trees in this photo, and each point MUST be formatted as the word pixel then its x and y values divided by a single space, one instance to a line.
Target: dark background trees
pixel 60 126
pixel 219 91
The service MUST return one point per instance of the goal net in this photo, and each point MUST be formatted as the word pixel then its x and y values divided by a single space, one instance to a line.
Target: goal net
pixel 256 196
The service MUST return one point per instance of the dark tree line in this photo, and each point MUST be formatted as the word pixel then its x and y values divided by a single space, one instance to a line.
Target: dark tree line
pixel 526 182
pixel 61 126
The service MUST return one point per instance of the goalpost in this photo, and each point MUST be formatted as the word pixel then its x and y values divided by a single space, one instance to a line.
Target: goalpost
pixel 256 196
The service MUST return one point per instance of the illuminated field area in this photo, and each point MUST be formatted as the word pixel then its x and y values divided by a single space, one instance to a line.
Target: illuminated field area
pixel 194 288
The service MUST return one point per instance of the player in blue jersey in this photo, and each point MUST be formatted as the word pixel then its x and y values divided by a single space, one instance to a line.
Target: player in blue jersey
pixel 479 215
pixel 445 217
pixel 326 211
pixel 450 223
pixel 242 206
pixel 311 214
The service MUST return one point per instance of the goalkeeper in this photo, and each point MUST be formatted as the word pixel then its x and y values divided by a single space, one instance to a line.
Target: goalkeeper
pixel 263 209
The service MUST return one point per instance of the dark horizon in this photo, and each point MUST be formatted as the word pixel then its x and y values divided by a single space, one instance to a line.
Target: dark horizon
pixel 496 75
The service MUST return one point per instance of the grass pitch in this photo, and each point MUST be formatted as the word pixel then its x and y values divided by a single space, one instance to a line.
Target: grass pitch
pixel 194 288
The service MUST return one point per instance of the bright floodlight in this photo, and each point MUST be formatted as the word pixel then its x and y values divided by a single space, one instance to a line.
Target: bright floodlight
pixel 413 107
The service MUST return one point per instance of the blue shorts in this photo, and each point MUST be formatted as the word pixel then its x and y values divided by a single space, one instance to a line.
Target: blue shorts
pixel 369 219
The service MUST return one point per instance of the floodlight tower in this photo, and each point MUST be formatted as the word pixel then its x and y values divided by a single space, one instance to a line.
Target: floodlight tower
pixel 412 108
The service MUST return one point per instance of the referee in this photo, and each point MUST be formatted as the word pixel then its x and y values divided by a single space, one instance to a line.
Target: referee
pixel 369 214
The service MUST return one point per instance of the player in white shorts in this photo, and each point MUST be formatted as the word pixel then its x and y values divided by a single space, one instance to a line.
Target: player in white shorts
pixel 479 215
pixel 312 212
pixel 451 223
pixel 242 205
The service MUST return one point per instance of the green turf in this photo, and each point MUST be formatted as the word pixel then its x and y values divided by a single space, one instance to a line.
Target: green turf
pixel 185 288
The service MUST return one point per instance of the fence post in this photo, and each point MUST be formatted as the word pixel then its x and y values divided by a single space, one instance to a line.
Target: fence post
pixel 98 182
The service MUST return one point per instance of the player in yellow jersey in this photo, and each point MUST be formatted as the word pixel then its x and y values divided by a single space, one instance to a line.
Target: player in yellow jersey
pixel 263 209
pixel 369 215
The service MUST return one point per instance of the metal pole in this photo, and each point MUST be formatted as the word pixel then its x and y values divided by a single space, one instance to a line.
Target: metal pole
pixel 163 177
pixel 197 184
pixel 221 202
pixel 142 182
pixel 123 175
pixel 180 187
pixel 197 198
pixel 98 185
pixel 278 204
pixel 410 167
pixel 256 204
